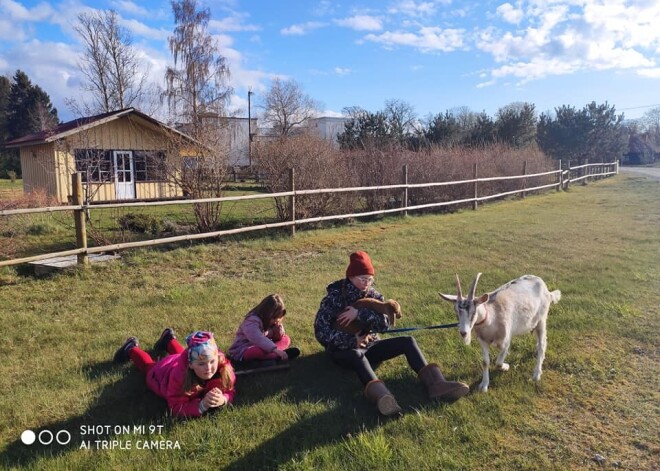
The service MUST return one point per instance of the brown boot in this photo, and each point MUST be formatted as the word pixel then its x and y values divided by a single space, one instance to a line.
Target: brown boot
pixel 377 392
pixel 438 387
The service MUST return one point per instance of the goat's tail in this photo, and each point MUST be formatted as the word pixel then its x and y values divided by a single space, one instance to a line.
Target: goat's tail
pixel 555 296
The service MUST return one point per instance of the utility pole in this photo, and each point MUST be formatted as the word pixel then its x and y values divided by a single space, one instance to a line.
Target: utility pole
pixel 249 130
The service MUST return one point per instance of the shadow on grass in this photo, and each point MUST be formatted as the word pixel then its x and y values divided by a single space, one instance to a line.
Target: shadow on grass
pixel 319 380
pixel 126 403
pixel 311 379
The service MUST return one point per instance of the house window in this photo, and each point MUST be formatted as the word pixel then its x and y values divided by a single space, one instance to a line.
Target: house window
pixel 95 165
pixel 149 166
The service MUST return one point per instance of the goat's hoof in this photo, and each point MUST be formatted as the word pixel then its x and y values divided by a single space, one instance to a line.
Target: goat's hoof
pixel 536 377
pixel 504 367
pixel 483 388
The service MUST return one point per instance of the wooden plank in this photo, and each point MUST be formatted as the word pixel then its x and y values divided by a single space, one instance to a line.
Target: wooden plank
pixel 41 267
pixel 262 369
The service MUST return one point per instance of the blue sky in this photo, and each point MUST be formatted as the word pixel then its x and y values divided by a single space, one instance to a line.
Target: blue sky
pixel 433 54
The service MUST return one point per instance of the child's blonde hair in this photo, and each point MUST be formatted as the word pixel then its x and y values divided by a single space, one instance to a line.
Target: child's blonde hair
pixel 202 346
pixel 271 307
pixel 225 372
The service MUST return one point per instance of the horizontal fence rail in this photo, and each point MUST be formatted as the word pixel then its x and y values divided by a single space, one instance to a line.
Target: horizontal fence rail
pixel 581 173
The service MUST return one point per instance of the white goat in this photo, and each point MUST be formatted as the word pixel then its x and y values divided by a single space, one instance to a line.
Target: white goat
pixel 518 307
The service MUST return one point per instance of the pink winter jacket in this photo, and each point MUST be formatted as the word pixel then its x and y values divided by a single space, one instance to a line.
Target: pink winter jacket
pixel 252 332
pixel 166 379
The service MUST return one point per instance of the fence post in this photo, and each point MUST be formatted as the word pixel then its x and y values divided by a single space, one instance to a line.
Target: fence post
pixel 292 199
pixel 79 218
pixel 585 171
pixel 560 180
pixel 404 203
pixel 568 175
pixel 476 187
pixel 524 180
pixel 616 166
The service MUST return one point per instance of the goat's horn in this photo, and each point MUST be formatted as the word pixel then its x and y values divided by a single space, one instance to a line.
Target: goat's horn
pixel 473 286
pixel 458 287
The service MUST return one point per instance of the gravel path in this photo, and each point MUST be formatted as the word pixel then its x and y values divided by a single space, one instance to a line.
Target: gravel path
pixel 653 172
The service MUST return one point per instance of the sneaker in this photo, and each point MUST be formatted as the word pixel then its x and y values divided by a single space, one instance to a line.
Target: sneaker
pixel 165 337
pixel 121 355
pixel 292 353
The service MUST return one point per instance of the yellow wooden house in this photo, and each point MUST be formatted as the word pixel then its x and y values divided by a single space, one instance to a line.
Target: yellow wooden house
pixel 122 155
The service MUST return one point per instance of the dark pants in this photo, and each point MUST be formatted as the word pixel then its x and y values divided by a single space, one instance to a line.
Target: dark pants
pixel 365 360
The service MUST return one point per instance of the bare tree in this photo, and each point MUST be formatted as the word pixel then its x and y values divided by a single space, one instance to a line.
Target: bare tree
pixel 285 105
pixel 115 75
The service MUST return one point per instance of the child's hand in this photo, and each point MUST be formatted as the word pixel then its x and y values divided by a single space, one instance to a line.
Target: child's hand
pixel 347 316
pixel 281 354
pixel 362 340
pixel 214 398
pixel 275 332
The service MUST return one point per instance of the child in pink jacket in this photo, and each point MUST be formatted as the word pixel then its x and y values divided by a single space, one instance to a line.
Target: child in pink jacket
pixel 192 380
pixel 261 335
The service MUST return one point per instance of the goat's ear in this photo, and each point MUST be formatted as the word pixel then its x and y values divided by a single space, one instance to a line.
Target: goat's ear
pixel 481 299
pixel 448 297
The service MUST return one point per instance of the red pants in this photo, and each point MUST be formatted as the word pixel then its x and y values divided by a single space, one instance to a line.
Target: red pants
pixel 143 360
pixel 256 353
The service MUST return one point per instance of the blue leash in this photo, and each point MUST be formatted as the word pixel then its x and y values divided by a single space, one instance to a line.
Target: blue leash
pixel 409 329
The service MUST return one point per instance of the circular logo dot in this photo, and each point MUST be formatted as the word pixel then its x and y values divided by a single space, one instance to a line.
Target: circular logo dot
pixel 60 440
pixel 28 437
pixel 45 441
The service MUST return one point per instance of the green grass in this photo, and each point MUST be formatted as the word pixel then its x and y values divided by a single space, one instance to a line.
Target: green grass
pixel 9 189
pixel 599 394
pixel 39 233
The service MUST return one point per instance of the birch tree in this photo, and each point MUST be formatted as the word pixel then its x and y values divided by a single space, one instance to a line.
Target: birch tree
pixel 197 95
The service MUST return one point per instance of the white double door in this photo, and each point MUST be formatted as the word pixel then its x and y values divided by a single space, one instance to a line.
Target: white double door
pixel 124 174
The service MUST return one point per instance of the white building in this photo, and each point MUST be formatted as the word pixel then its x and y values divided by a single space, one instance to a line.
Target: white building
pixel 327 127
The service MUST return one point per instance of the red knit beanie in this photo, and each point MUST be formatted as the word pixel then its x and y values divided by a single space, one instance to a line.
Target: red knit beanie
pixel 359 265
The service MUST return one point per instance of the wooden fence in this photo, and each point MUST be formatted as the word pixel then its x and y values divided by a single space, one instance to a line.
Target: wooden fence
pixel 563 179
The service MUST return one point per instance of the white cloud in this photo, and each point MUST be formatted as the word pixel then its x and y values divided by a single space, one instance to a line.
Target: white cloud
pixel 130 7
pixel 361 23
pixel 416 9
pixel 52 66
pixel 234 22
pixel 18 12
pixel 426 39
pixel 11 31
pixel 509 13
pixel 324 8
pixel 140 30
pixel 301 29
pixel 342 70
pixel 330 114
pixel 650 73
pixel 564 36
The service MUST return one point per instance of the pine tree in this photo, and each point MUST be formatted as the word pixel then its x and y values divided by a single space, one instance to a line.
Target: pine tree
pixel 24 109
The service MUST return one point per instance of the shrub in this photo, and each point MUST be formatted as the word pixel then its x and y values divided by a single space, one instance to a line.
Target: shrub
pixel 317 165
pixel 141 223
pixel 41 228
pixel 32 199
pixel 12 175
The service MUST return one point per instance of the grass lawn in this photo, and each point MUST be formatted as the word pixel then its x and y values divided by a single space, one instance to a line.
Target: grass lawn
pixel 599 397
pixel 9 189
pixel 39 233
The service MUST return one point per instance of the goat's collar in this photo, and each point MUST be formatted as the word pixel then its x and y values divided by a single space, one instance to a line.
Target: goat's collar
pixel 485 317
